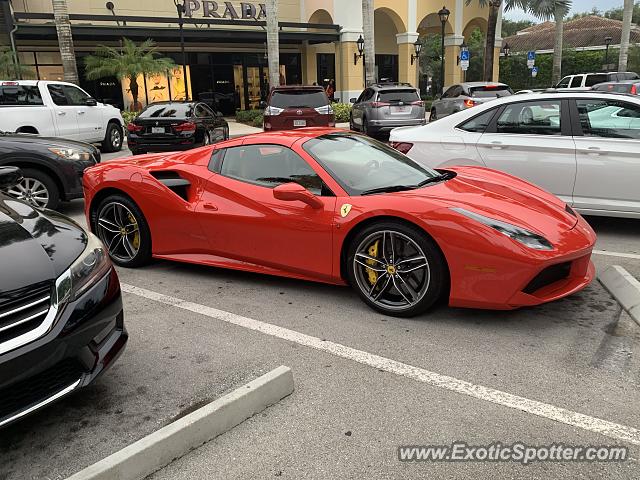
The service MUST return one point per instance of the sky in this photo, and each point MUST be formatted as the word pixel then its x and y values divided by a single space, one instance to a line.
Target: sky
pixel 578 6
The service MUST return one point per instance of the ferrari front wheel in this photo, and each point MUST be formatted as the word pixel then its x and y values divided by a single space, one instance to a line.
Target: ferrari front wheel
pixel 397 269
pixel 121 226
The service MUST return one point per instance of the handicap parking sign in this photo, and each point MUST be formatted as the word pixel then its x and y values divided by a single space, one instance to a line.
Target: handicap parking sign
pixel 534 72
pixel 531 59
pixel 465 55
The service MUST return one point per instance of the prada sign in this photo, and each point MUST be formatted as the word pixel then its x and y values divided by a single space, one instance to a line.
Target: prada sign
pixel 244 11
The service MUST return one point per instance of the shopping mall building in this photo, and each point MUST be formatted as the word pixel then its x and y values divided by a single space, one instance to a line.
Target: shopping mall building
pixel 226 43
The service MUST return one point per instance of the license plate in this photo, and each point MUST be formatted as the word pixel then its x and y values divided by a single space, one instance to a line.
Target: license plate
pixel 157 129
pixel 401 109
pixel 299 123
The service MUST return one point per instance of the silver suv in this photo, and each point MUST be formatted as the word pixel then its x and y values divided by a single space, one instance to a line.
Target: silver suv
pixel 466 95
pixel 384 106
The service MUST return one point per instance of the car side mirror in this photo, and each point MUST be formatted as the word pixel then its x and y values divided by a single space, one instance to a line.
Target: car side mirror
pixel 91 102
pixel 10 177
pixel 438 96
pixel 291 192
pixel 262 104
pixel 353 100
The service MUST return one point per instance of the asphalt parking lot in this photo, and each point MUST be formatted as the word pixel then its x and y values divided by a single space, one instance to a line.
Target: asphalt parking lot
pixel 346 419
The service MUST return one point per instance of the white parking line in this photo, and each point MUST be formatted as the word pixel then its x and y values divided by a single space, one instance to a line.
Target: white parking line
pixel 635 256
pixel 544 410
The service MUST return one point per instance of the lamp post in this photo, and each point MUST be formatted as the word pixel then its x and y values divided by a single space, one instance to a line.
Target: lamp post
pixel 360 54
pixel 444 17
pixel 418 48
pixel 607 42
pixel 181 10
pixel 506 49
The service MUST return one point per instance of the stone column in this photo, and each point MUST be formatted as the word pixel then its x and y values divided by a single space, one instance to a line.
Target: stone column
pixel 452 71
pixel 351 76
pixel 407 73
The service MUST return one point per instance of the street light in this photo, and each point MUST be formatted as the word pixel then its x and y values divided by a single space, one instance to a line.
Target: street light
pixel 444 17
pixel 418 48
pixel 360 54
pixel 181 10
pixel 607 42
pixel 506 49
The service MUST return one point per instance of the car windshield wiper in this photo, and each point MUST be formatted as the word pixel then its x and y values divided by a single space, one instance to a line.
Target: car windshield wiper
pixel 438 178
pixel 389 189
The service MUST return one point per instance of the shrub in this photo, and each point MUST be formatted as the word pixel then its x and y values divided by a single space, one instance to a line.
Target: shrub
pixel 248 116
pixel 128 117
pixel 258 120
pixel 342 112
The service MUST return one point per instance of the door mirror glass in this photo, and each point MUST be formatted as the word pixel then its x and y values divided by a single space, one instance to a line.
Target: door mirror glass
pixel 353 100
pixel 262 104
pixel 91 102
pixel 9 177
pixel 291 192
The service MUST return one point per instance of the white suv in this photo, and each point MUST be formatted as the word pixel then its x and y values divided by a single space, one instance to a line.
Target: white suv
pixel 59 109
pixel 585 81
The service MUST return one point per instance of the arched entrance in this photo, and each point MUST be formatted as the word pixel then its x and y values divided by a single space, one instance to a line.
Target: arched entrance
pixel 387 25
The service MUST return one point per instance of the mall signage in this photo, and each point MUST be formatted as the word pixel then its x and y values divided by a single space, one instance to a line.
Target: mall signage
pixel 238 11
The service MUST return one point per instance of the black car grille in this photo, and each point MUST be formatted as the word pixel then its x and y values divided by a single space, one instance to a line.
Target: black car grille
pixel 23 310
pixel 549 275
pixel 35 389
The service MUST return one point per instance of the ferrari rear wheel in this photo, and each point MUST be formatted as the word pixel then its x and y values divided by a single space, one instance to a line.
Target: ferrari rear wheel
pixel 121 226
pixel 397 269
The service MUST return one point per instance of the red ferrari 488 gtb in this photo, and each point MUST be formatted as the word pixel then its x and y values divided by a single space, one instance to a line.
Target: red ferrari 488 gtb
pixel 337 207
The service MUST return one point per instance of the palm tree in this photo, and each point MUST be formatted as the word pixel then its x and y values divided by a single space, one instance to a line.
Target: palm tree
pixel 273 43
pixel 369 42
pixel 627 16
pixel 10 69
pixel 128 62
pixel 65 40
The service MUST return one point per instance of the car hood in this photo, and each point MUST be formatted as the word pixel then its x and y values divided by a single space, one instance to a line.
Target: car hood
pixel 35 247
pixel 46 142
pixel 503 197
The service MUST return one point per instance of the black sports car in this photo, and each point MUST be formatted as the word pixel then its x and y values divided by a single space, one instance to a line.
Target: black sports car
pixel 52 167
pixel 170 126
pixel 61 320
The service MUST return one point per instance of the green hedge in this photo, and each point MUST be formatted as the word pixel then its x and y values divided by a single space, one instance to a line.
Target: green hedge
pixel 342 112
pixel 248 116
pixel 258 121
pixel 128 116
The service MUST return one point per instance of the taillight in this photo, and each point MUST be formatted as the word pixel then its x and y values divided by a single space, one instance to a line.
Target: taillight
pixel 380 104
pixel 185 127
pixel 418 103
pixel 324 110
pixel 272 111
pixel 634 90
pixel 132 127
pixel 402 147
pixel 469 103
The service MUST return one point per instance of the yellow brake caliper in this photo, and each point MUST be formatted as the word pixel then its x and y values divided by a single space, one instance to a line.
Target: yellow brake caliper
pixel 373 252
pixel 136 237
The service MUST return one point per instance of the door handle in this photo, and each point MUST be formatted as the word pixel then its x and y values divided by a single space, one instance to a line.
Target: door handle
pixel 62 113
pixel 82 112
pixel 497 145
pixel 594 151
pixel 210 206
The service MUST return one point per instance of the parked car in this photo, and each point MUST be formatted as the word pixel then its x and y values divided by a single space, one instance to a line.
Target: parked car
pixel 630 87
pixel 59 109
pixel 466 95
pixel 169 126
pixel 289 107
pixel 585 81
pixel 52 167
pixel 384 106
pixel 341 208
pixel 61 319
pixel 580 146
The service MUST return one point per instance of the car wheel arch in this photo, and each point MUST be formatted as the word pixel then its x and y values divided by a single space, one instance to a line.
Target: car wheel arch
pixel 27 129
pixel 36 165
pixel 366 222
pixel 99 196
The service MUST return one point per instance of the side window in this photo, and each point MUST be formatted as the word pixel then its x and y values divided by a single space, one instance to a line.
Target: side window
pixel 369 94
pixel 447 93
pixel 576 81
pixel 457 91
pixel 74 95
pixel 361 97
pixel 200 112
pixel 531 118
pixel 564 83
pixel 269 166
pixel 595 79
pixel 20 95
pixel 208 111
pixel 57 95
pixel 479 123
pixel 609 118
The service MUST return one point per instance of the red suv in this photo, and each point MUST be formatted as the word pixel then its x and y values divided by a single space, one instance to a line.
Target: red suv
pixel 297 107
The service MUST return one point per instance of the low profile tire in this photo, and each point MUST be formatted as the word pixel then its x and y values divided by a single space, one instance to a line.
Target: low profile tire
pixel 113 138
pixel 121 226
pixel 396 269
pixel 352 126
pixel 225 135
pixel 365 127
pixel 206 139
pixel 36 188
pixel 432 116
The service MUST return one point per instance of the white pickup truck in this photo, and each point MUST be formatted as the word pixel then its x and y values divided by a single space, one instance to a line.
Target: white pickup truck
pixel 59 109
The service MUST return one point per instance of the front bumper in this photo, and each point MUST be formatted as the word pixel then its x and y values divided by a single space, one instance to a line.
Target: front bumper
pixel 86 339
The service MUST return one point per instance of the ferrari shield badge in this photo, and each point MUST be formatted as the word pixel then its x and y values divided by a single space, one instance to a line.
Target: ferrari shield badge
pixel 345 209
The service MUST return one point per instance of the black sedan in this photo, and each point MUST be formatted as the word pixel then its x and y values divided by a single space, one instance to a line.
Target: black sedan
pixel 52 167
pixel 170 126
pixel 61 320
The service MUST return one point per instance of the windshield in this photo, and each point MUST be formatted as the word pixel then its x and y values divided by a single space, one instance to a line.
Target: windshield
pixel 299 99
pixel 168 110
pixel 360 164
pixel 490 91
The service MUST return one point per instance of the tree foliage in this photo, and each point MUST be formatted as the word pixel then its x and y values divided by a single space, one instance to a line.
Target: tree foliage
pixel 9 69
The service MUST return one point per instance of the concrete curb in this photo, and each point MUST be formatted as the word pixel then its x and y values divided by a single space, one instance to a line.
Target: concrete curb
pixel 624 287
pixel 160 448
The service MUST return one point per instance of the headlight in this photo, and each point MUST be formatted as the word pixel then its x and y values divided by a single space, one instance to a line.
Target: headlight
pixel 89 267
pixel 519 234
pixel 70 153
